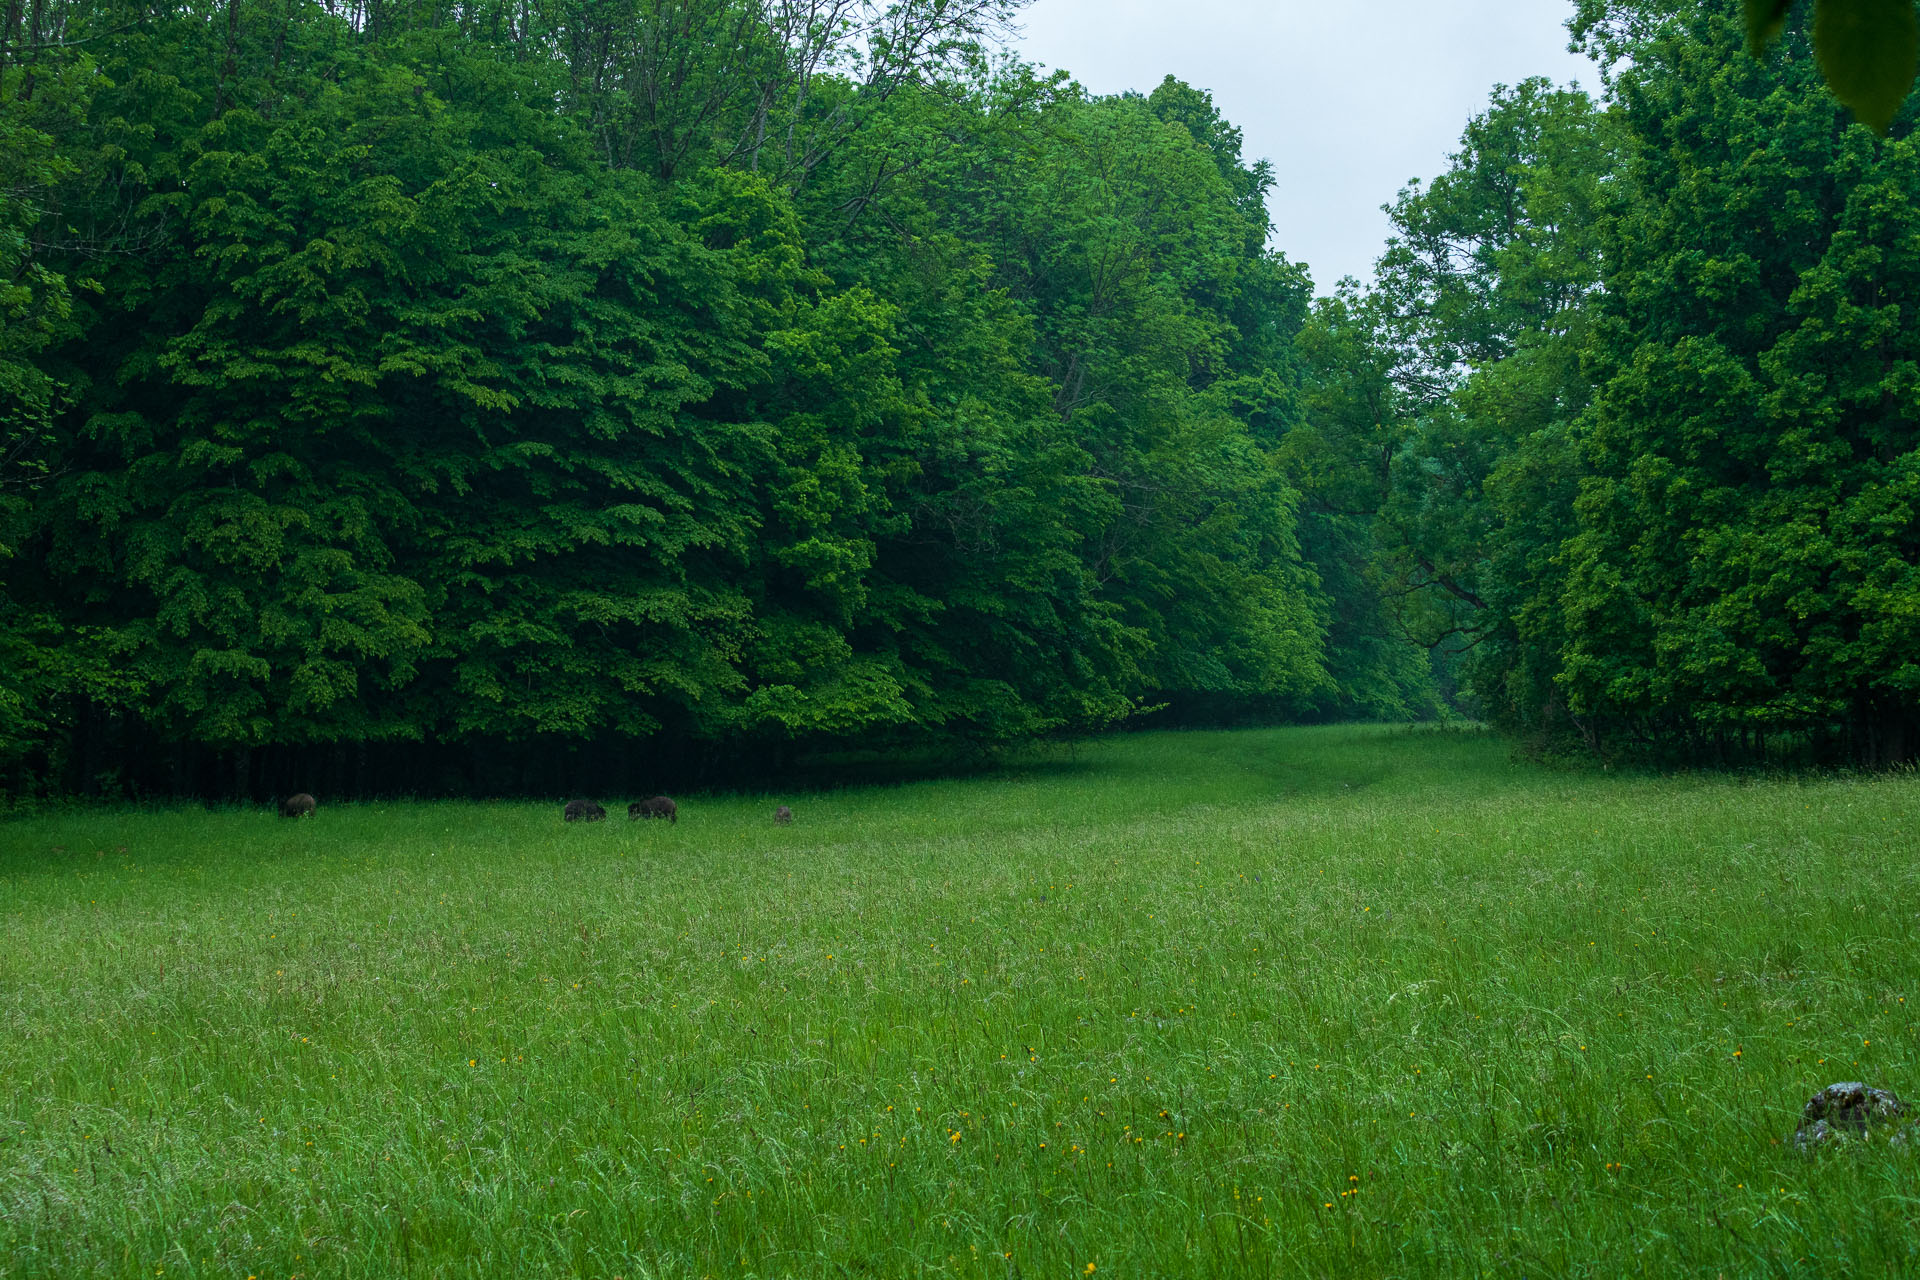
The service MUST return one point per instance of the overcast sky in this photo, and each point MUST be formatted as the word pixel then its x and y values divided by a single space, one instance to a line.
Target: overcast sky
pixel 1348 98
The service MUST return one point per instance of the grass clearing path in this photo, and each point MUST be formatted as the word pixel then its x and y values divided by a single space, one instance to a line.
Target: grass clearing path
pixel 1332 1001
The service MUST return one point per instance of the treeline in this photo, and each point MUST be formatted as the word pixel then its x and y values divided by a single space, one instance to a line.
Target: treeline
pixel 532 395
pixel 556 393
pixel 1629 412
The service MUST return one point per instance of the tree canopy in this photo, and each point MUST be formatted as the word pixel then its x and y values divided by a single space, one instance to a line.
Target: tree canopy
pixel 523 395
pixel 588 393
pixel 1639 424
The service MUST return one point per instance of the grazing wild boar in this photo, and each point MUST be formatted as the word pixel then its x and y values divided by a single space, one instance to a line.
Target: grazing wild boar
pixel 583 811
pixel 298 806
pixel 658 807
pixel 783 816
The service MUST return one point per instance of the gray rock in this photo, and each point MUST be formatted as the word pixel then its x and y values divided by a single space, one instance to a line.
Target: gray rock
pixel 1841 1112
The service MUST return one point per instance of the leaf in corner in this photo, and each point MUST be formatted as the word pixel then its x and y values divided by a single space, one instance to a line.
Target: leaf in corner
pixel 1764 20
pixel 1868 50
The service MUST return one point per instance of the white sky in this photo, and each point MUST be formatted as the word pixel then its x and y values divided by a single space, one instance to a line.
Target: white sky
pixel 1348 98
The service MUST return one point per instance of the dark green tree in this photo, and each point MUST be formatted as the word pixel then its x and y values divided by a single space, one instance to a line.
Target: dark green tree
pixel 1746 560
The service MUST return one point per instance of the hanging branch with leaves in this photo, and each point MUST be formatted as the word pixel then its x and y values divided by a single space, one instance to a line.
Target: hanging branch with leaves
pixel 1869 50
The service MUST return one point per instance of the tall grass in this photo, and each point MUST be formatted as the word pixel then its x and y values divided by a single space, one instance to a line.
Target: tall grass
pixel 1294 1003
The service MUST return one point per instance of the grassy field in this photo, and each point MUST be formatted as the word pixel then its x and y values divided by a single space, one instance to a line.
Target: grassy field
pixel 1341 1002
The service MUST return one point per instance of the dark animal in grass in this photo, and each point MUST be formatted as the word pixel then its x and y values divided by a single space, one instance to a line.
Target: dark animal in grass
pixel 584 811
pixel 300 806
pixel 658 807
pixel 783 816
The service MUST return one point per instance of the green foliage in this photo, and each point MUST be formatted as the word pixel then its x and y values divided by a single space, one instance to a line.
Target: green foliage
pixel 45 667
pixel 1869 50
pixel 1121 217
pixel 1440 402
pixel 1745 559
pixel 1624 417
pixel 515 398
pixel 1765 21
pixel 441 386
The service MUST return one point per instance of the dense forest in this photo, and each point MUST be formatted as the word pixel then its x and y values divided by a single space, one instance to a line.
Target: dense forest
pixel 531 395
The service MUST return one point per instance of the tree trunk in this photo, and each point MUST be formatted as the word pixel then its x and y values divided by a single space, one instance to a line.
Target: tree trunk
pixel 1891 741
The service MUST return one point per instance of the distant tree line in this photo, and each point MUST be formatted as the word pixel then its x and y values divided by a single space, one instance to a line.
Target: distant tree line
pixel 530 395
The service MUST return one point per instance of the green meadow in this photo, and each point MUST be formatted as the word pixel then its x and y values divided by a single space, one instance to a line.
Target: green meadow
pixel 1305 1002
